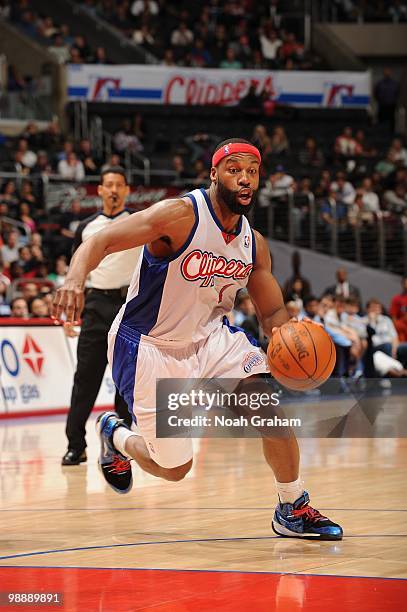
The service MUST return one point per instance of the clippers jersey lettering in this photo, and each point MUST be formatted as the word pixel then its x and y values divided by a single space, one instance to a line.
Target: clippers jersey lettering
pixel 183 298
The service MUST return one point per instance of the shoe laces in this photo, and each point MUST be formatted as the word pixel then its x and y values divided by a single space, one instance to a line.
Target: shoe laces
pixel 119 466
pixel 308 512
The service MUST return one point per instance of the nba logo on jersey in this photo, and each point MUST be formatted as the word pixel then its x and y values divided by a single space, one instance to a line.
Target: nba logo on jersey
pixel 247 241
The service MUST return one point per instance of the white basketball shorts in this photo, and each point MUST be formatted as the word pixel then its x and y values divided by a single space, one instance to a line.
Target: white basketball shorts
pixel 137 361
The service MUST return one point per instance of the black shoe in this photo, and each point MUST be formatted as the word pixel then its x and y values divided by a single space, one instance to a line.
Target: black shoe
pixel 115 467
pixel 73 457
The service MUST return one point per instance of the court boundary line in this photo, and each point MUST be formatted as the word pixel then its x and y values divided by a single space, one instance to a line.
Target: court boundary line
pixel 210 571
pixel 268 508
pixel 191 541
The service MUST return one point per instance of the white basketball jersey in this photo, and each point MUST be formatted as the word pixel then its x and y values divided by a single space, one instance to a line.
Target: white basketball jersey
pixel 182 298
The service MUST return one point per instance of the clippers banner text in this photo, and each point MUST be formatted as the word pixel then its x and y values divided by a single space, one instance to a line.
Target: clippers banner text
pixel 192 86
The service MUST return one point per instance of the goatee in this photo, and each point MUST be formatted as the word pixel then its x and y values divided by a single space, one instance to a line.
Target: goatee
pixel 229 197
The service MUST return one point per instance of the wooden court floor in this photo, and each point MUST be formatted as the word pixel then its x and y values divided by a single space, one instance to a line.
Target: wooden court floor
pixel 204 543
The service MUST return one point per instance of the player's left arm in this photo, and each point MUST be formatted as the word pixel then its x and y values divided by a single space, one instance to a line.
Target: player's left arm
pixel 264 290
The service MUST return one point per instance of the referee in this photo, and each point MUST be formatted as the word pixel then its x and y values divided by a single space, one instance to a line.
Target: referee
pixel 109 283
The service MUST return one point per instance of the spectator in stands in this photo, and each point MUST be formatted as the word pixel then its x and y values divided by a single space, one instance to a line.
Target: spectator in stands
pixel 343 288
pixel 144 37
pixel 38 308
pixel 75 56
pixel 398 311
pixel 311 155
pixel 168 58
pixel 344 188
pixel 362 147
pixel 270 43
pixel 71 168
pixel 47 28
pixel 219 44
pixel 370 199
pixel 310 308
pixel 296 274
pixel 396 199
pixel 293 308
pixel 8 193
pixel 26 194
pixel 385 336
pixel 279 141
pixel 296 294
pixel 182 36
pixel 126 140
pixel 200 56
pixel 334 210
pixel 67 148
pixel 19 308
pixel 386 92
pixel 178 167
pixel 276 186
pixel 397 153
pixel 9 250
pixel 261 139
pixel 201 145
pixel 69 222
pixel 90 163
pixel 144 7
pixel 29 158
pixel 342 343
pixel 100 57
pixel 230 62
pixel 345 144
pixel 245 317
pixel 5 9
pixel 385 166
pixel 200 172
pixel 25 216
pixel 61 270
pixel 28 290
pixel 59 49
pixel 114 160
pixel 4 305
pixel 83 47
pixel 336 319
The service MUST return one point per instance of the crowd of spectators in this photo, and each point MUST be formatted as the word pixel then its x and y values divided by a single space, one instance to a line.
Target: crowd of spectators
pixel 374 11
pixel 231 34
pixel 370 339
pixel 56 36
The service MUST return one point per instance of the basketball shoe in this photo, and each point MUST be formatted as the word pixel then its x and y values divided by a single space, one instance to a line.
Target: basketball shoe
pixel 299 520
pixel 115 467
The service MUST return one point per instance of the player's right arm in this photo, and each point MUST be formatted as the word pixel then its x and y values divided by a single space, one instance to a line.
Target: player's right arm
pixel 172 219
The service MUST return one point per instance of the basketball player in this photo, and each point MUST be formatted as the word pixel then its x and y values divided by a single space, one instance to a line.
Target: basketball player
pixel 199 251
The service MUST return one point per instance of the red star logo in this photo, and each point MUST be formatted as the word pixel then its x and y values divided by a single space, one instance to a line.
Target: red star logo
pixel 33 355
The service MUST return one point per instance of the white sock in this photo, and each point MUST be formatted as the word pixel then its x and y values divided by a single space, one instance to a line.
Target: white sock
pixel 289 492
pixel 120 435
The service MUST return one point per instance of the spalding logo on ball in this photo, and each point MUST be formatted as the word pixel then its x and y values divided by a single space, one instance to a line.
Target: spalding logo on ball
pixel 301 355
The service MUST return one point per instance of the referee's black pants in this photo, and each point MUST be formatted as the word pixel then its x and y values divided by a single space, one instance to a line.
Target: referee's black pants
pixel 99 312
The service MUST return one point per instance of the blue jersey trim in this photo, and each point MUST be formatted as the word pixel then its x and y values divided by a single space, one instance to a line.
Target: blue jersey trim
pixel 254 251
pixel 234 329
pixel 141 312
pixel 124 365
pixel 215 218
pixel 153 260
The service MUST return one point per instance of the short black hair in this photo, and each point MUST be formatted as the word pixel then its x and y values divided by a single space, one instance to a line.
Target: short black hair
pixel 114 170
pixel 231 140
pixel 310 298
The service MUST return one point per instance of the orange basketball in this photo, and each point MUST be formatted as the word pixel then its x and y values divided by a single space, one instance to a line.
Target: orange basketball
pixel 301 355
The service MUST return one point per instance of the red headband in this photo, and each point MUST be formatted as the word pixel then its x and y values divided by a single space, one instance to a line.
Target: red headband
pixel 235 147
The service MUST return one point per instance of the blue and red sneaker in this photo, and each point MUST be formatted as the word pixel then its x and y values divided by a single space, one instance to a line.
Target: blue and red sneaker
pixel 115 467
pixel 300 520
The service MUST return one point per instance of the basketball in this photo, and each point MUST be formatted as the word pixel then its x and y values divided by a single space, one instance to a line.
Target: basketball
pixel 301 355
